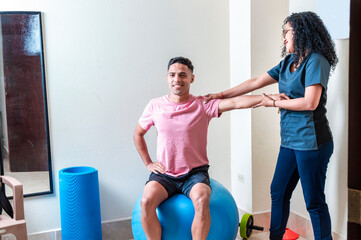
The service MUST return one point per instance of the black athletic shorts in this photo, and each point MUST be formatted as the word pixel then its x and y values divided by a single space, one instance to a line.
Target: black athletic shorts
pixel 182 184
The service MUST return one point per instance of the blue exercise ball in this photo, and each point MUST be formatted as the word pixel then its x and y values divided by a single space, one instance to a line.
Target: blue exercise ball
pixel 176 216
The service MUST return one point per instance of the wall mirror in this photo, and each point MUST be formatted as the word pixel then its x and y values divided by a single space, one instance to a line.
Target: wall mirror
pixel 25 143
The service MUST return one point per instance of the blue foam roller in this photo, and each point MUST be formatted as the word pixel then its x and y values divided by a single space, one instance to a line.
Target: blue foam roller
pixel 80 204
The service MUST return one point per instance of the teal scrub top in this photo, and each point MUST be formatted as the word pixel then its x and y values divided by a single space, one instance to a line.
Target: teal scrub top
pixel 303 130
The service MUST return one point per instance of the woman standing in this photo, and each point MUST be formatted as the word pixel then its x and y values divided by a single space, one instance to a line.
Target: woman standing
pixel 306 139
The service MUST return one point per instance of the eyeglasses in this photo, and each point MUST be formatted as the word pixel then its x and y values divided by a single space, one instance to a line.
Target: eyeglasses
pixel 285 31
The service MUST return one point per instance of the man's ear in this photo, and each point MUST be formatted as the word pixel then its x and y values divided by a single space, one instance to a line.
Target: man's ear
pixel 192 78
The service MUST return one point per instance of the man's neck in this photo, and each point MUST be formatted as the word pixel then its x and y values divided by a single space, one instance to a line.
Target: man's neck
pixel 179 99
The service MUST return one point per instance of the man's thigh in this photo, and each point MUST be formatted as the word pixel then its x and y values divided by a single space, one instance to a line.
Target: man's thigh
pixel 197 178
pixel 154 193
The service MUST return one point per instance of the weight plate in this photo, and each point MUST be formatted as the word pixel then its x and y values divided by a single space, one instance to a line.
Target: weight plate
pixel 244 230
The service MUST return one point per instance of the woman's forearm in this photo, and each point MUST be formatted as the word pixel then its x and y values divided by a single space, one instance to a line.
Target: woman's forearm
pixel 249 85
pixel 307 103
pixel 298 104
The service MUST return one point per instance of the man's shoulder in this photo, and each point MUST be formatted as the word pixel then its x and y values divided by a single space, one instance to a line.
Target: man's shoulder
pixel 210 105
pixel 199 98
pixel 158 100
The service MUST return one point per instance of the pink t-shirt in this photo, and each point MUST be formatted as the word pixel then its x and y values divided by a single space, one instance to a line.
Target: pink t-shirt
pixel 182 131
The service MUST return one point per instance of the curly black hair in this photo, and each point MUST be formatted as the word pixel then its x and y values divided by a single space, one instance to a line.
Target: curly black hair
pixel 310 35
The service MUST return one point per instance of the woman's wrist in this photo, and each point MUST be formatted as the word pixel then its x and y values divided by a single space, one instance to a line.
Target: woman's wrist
pixel 274 103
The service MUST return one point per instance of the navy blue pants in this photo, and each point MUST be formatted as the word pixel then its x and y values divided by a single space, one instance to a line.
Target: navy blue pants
pixel 310 167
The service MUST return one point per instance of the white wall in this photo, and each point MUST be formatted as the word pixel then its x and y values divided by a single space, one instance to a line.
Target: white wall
pixel 255 37
pixel 105 60
pixel 266 53
pixel 241 135
pixel 304 5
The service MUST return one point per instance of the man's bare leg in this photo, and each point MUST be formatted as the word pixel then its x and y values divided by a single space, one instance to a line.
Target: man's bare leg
pixel 153 194
pixel 200 195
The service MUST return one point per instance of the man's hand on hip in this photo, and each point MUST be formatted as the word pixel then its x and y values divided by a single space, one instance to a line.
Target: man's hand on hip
pixel 156 167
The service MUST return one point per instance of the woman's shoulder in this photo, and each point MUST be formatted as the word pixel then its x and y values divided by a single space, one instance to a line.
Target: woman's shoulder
pixel 317 59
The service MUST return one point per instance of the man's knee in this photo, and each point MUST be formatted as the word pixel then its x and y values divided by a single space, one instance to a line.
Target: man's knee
pixel 147 203
pixel 201 197
pixel 201 202
pixel 153 195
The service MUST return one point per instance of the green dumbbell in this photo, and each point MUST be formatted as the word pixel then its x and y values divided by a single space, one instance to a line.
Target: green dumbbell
pixel 246 226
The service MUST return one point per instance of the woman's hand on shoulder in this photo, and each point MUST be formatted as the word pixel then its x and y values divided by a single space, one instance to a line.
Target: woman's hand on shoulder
pixel 211 96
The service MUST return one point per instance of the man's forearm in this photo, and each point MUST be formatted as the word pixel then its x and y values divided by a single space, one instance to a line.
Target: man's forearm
pixel 246 101
pixel 240 102
pixel 142 148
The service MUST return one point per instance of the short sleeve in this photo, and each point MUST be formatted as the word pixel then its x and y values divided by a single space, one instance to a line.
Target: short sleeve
pixel 146 120
pixel 275 71
pixel 317 71
pixel 212 108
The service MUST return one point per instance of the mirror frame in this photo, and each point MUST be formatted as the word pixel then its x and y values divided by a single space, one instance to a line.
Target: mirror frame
pixel 45 107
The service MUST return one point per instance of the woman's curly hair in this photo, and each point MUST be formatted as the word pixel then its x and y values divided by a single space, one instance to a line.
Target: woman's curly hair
pixel 310 35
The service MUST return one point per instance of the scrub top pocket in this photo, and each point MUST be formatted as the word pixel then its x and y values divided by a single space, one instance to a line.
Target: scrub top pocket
pixel 298 131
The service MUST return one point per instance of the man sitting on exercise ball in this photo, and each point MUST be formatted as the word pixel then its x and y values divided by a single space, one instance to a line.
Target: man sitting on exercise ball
pixel 182 166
